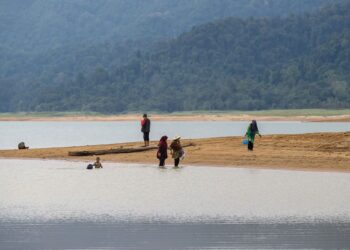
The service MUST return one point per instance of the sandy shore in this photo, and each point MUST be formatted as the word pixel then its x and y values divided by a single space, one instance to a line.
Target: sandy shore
pixel 182 117
pixel 317 151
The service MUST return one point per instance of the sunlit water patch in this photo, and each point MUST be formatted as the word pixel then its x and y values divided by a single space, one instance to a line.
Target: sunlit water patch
pixel 61 205
pixel 62 190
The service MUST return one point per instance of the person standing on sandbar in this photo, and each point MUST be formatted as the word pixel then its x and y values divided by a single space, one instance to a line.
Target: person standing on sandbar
pixel 250 134
pixel 145 129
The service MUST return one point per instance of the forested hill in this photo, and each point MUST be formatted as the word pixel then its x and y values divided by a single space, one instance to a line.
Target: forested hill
pixel 294 62
pixel 256 63
pixel 51 42
pixel 37 25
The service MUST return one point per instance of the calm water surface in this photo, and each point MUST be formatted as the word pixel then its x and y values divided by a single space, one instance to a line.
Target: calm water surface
pixel 51 134
pixel 61 205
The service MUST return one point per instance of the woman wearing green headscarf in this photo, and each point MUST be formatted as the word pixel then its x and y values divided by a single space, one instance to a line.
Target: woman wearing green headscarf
pixel 250 134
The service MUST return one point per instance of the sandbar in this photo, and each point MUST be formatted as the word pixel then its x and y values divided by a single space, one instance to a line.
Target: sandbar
pixel 314 151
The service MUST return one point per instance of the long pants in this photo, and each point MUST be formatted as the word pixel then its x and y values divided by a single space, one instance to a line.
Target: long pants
pixel 146 136
pixel 176 162
pixel 250 145
pixel 161 162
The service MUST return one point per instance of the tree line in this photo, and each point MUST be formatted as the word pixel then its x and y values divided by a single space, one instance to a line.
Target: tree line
pixel 247 64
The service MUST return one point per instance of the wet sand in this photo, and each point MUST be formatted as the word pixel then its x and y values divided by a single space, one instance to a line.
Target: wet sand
pixel 315 151
pixel 183 117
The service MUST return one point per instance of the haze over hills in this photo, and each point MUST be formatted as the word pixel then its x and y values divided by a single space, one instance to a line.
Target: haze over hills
pixel 113 61
pixel 47 24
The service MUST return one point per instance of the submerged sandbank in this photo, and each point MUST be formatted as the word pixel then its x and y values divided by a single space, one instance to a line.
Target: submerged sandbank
pixel 315 151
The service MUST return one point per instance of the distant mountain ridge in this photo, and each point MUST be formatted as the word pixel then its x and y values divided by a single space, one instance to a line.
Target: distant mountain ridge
pixel 47 24
pixel 255 63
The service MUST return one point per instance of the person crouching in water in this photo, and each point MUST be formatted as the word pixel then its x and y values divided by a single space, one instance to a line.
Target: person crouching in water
pixel 98 164
pixel 162 152
pixel 250 134
pixel 176 150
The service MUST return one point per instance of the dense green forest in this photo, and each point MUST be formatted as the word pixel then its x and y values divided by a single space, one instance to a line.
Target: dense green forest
pixel 299 61
pixel 37 25
pixel 44 40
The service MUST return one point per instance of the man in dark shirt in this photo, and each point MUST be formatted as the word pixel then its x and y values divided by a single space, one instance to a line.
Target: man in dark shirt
pixel 145 129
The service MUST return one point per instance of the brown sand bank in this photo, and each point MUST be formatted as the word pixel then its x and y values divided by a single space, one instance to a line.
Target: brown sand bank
pixel 317 151
pixel 183 117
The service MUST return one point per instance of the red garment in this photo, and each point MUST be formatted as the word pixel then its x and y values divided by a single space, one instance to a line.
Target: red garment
pixel 162 148
pixel 143 122
pixel 162 143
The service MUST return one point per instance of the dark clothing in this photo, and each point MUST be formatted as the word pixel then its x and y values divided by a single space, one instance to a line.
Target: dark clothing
pixel 254 127
pixel 146 125
pixel 250 134
pixel 146 136
pixel 162 152
pixel 250 145
pixel 21 145
pixel 161 162
pixel 162 148
pixel 176 149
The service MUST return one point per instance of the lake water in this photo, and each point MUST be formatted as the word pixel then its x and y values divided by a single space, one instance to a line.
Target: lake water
pixel 51 134
pixel 61 205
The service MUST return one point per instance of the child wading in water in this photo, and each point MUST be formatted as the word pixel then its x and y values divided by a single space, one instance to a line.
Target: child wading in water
pixel 176 151
pixel 162 152
pixel 98 164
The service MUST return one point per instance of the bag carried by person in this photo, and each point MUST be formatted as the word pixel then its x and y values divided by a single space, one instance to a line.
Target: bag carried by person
pixel 182 155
